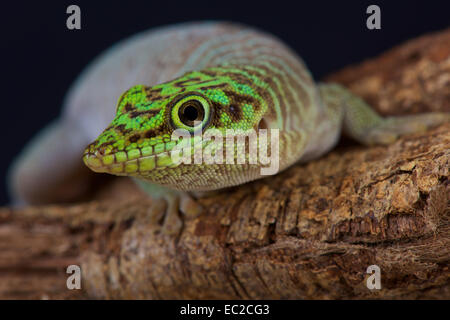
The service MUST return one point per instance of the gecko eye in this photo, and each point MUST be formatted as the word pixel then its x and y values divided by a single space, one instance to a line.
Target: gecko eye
pixel 191 113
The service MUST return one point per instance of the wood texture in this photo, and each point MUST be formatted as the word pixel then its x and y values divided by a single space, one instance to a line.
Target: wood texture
pixel 310 232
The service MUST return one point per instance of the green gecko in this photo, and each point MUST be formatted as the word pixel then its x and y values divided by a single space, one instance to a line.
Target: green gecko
pixel 229 77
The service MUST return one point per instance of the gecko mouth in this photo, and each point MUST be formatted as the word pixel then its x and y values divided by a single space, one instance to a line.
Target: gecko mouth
pixel 111 163
pixel 131 162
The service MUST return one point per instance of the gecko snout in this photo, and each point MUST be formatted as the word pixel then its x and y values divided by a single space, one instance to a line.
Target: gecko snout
pixel 93 159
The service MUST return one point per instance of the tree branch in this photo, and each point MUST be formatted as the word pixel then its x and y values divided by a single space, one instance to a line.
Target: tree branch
pixel 309 232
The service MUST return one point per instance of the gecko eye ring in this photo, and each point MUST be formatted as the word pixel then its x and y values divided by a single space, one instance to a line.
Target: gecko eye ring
pixel 191 113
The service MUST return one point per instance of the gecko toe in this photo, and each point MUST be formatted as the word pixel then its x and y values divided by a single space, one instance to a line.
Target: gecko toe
pixel 172 223
pixel 157 210
pixel 190 207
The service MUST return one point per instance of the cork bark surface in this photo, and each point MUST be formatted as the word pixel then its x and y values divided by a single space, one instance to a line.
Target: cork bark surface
pixel 309 232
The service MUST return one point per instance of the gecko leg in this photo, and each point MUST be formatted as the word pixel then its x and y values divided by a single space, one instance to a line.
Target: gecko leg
pixel 167 204
pixel 363 124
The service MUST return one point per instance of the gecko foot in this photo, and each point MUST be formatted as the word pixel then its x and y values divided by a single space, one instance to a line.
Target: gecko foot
pixel 391 128
pixel 168 208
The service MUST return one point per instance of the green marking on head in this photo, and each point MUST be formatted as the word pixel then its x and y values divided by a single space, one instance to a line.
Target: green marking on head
pixel 138 139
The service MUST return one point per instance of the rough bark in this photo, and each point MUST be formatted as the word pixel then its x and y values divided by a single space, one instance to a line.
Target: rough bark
pixel 309 232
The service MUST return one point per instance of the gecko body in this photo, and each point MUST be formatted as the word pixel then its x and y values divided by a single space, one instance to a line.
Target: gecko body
pixel 205 76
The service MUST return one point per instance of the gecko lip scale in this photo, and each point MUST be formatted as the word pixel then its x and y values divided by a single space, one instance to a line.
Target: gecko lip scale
pixel 99 163
pixel 135 161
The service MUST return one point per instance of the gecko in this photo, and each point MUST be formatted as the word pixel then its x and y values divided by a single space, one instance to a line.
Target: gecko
pixel 193 76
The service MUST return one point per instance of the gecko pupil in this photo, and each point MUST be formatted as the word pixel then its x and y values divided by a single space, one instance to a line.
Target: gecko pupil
pixel 190 112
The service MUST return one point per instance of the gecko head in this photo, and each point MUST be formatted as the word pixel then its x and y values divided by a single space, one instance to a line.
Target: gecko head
pixel 138 142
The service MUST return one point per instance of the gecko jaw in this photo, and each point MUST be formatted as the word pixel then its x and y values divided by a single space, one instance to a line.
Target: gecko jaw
pixel 138 162
pixel 121 164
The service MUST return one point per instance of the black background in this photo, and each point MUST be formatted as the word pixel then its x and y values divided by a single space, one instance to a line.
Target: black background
pixel 279 309
pixel 41 57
